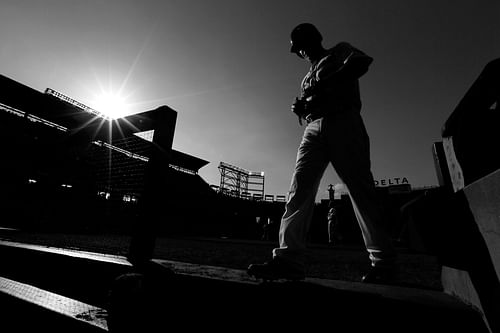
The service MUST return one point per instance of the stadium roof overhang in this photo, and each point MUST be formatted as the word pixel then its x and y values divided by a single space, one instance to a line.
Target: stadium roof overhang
pixel 90 126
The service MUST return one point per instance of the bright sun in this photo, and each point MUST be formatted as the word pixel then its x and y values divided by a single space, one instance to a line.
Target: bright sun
pixel 111 105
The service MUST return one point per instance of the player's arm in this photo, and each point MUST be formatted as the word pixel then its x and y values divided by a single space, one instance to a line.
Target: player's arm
pixel 350 64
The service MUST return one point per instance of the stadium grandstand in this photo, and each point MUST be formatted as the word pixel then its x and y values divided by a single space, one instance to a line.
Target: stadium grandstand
pixel 61 157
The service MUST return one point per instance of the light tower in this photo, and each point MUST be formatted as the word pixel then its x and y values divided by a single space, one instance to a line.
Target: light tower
pixel 239 182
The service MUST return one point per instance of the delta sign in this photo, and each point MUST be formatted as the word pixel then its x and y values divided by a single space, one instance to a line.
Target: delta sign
pixel 392 181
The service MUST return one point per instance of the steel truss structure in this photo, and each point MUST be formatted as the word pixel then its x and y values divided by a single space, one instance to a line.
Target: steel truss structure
pixel 236 181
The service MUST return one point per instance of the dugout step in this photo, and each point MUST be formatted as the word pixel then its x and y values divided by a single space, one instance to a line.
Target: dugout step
pixel 81 275
pixel 204 297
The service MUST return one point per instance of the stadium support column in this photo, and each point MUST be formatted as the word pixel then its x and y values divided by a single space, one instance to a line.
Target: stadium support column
pixel 153 201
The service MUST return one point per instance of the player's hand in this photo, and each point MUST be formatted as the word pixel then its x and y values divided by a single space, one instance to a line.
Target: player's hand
pixel 299 107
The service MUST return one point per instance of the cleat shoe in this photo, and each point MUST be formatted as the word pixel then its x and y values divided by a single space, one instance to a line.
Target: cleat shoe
pixel 380 275
pixel 275 269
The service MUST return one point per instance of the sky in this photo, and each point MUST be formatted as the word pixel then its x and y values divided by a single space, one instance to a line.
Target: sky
pixel 225 67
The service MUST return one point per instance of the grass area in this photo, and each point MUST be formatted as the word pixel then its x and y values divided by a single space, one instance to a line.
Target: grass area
pixel 339 263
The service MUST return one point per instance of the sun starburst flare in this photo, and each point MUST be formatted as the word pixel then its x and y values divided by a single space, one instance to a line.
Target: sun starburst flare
pixel 111 105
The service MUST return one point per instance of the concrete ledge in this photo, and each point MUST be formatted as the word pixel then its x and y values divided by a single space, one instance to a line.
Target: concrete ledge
pixel 484 201
pixel 471 227
pixel 99 257
pixel 28 308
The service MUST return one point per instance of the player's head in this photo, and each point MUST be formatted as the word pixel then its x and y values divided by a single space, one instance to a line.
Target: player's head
pixel 303 37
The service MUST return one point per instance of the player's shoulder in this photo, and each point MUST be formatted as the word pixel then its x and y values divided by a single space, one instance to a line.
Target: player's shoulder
pixel 337 53
pixel 340 49
pixel 342 45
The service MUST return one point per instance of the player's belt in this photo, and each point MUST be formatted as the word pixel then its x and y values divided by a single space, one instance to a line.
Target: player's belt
pixel 313 116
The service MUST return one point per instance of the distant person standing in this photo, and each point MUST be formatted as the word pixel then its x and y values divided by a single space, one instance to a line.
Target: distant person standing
pixel 330 104
pixel 334 236
pixel 267 229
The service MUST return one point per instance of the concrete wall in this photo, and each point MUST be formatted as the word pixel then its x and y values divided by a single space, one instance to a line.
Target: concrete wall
pixel 478 284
